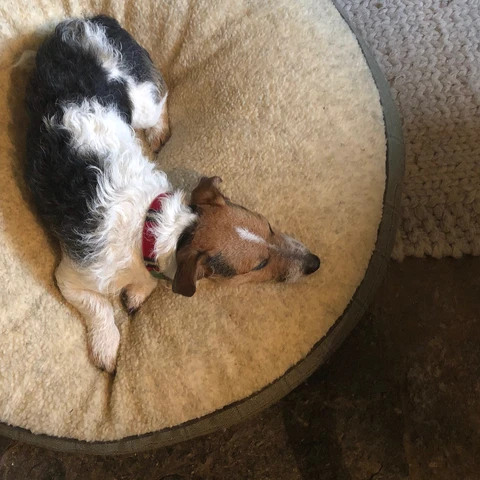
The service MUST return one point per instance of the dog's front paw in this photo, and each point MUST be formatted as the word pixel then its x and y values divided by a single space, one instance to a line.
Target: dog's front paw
pixel 104 345
pixel 158 138
pixel 132 297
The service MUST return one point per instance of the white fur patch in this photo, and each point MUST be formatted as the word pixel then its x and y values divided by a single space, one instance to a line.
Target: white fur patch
pixel 99 129
pixel 249 236
pixel 147 110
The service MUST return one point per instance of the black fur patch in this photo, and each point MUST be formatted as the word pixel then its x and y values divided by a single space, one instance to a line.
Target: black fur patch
pixel 62 188
pixel 220 266
pixel 62 180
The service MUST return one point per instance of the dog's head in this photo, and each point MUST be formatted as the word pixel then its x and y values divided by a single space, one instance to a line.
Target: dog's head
pixel 230 242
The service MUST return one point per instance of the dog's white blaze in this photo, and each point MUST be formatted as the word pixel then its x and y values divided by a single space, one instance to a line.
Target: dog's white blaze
pixel 246 234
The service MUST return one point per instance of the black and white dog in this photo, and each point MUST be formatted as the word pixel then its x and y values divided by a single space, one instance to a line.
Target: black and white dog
pixel 115 214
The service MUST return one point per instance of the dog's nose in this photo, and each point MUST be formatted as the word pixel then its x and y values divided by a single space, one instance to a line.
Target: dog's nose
pixel 311 263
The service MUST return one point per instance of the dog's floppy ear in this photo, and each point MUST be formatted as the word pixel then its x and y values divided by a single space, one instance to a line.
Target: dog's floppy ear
pixel 190 268
pixel 207 192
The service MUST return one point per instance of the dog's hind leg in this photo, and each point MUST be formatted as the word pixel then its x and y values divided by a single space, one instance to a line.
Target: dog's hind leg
pixel 150 113
pixel 158 135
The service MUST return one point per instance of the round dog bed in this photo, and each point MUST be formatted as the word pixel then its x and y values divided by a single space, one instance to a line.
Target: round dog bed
pixel 278 99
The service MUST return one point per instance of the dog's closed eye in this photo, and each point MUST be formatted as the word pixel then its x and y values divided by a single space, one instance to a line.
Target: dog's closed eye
pixel 261 265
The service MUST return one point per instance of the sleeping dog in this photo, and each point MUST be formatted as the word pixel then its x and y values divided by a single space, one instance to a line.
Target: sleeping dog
pixel 120 224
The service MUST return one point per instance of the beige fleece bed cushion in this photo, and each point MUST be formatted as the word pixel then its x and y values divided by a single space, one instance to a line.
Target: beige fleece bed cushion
pixel 277 99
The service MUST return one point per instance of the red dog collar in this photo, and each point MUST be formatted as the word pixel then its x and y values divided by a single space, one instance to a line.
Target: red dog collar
pixel 148 240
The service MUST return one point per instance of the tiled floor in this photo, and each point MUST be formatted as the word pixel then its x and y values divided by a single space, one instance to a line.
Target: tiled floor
pixel 400 399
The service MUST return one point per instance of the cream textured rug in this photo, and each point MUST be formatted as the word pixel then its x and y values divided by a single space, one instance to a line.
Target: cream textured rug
pixel 429 50
pixel 275 97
